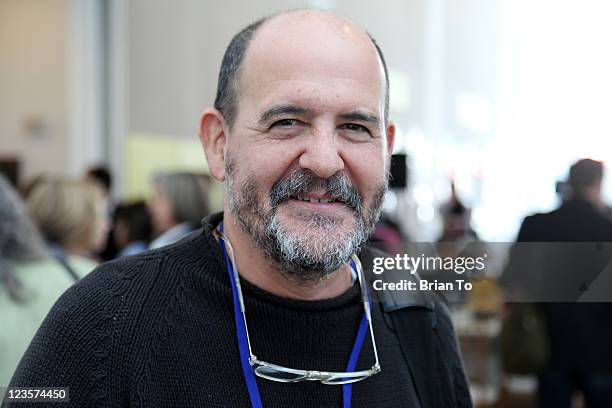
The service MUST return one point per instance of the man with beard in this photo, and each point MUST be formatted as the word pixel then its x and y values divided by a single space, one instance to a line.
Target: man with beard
pixel 267 305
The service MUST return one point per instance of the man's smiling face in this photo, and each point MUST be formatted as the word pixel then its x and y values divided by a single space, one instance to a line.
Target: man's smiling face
pixel 307 155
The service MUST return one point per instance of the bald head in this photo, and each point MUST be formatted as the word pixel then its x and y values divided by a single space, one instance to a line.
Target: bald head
pixel 291 34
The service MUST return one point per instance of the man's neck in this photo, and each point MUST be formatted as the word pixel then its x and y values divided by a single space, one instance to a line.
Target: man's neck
pixel 256 268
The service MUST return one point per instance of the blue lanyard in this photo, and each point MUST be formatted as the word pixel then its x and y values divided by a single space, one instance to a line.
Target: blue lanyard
pixel 247 370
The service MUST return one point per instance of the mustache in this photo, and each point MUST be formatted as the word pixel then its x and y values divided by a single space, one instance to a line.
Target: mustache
pixel 305 181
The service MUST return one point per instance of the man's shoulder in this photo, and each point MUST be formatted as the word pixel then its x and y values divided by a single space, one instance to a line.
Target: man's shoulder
pixel 120 309
pixel 425 329
pixel 573 221
pixel 130 270
pixel 147 277
pixel 542 217
pixel 185 251
pixel 96 294
pixel 536 227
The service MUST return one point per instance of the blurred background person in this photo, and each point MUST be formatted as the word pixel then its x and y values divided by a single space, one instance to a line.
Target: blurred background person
pixel 179 202
pixel 132 228
pixel 582 215
pixel 580 334
pixel 31 280
pixel 456 223
pixel 72 218
pixel 458 239
pixel 102 177
pixel 26 188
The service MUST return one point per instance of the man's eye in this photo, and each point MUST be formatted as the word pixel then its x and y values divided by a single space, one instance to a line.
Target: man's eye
pixel 354 127
pixel 286 123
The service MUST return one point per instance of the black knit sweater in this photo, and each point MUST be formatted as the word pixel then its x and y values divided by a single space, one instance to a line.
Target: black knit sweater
pixel 158 330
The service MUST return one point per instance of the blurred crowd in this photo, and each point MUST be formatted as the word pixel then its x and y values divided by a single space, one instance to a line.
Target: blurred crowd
pixel 54 231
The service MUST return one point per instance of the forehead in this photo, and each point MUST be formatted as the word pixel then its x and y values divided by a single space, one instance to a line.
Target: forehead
pixel 316 57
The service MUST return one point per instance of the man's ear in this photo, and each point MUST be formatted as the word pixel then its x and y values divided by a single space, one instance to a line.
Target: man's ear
pixel 213 139
pixel 390 137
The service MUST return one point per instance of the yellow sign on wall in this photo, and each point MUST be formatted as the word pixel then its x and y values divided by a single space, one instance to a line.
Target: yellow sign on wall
pixel 149 154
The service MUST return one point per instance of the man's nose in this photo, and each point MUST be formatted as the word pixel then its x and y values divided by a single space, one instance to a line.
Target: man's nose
pixel 322 156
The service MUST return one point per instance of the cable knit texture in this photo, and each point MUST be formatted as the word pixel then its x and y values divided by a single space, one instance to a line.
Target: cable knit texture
pixel 157 330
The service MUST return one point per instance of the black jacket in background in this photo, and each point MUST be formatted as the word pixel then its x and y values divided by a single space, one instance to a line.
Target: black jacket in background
pixel 581 333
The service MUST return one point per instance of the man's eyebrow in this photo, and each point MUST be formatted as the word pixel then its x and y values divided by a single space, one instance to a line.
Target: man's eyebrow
pixel 359 116
pixel 286 109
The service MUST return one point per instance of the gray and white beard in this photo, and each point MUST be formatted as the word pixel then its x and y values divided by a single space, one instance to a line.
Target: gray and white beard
pixel 309 256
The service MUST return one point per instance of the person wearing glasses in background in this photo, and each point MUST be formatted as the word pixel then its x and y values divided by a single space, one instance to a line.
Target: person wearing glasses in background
pixel 268 304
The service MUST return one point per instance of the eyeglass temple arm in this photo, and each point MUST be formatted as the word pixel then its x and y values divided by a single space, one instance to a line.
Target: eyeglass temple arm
pixel 366 297
pixel 240 299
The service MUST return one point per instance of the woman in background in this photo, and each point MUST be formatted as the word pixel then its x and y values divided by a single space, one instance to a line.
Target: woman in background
pixel 31 280
pixel 71 216
pixel 179 203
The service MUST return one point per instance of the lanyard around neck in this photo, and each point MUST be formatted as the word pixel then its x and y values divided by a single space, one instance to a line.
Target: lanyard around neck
pixel 247 370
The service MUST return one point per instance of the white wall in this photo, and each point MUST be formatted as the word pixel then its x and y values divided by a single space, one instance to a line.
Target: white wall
pixel 175 50
pixel 34 84
pixel 51 106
